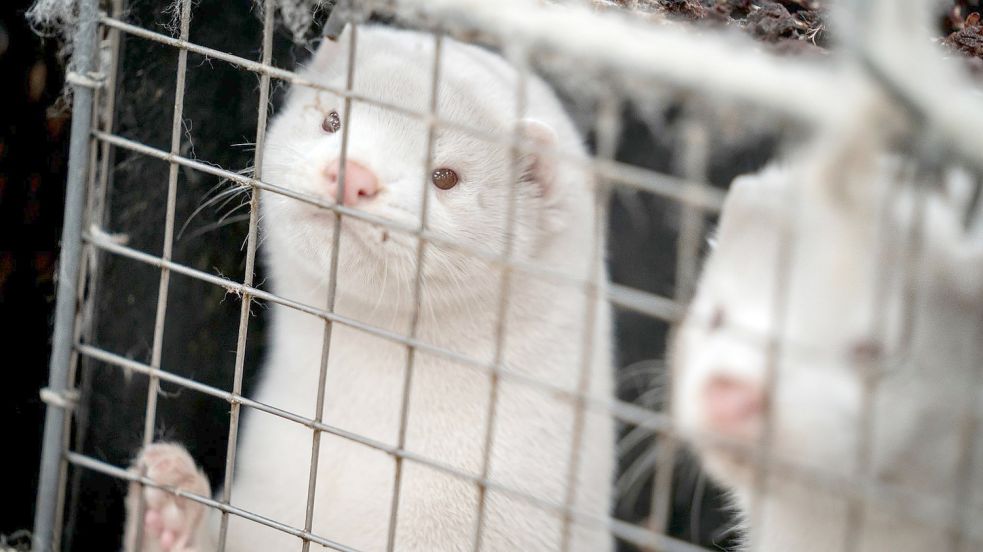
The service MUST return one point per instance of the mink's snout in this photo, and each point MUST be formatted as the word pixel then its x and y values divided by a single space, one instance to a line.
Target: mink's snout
pixel 734 406
pixel 360 182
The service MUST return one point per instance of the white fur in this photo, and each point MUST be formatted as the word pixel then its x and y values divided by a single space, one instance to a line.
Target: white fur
pixel 449 401
pixel 850 227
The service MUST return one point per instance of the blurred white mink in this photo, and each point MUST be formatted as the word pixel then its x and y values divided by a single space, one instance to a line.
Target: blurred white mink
pixel 848 292
pixel 448 405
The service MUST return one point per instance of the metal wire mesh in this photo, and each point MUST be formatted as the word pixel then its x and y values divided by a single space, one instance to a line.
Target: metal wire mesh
pixel 704 64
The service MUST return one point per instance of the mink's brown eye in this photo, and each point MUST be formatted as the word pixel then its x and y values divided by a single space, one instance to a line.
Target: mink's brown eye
pixel 331 123
pixel 445 179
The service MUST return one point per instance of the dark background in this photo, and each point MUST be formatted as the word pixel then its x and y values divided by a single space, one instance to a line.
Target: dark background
pixel 33 155
pixel 202 322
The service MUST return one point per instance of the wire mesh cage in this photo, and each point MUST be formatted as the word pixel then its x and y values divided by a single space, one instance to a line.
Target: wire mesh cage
pixel 654 191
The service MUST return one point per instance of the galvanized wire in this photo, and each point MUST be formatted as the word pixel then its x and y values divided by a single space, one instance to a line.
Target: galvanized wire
pixel 251 244
pixel 332 284
pixel 177 127
pixel 411 353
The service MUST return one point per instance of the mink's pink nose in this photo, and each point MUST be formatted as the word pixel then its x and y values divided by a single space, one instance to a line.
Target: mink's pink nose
pixel 733 405
pixel 360 182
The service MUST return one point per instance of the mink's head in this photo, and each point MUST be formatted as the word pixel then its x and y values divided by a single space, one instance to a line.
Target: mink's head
pixel 823 303
pixel 386 173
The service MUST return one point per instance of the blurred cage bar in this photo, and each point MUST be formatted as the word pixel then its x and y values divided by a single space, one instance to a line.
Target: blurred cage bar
pixel 530 32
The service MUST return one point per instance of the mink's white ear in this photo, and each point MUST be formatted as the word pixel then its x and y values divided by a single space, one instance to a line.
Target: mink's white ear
pixel 539 167
pixel 541 170
pixel 755 197
pixel 332 52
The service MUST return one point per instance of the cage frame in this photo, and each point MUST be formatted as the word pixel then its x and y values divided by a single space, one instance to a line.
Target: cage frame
pixel 92 144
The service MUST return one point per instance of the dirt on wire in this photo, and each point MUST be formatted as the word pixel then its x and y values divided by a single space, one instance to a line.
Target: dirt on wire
pixel 801 26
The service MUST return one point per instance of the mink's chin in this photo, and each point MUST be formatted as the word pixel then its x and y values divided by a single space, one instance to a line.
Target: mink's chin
pixel 730 460
pixel 733 467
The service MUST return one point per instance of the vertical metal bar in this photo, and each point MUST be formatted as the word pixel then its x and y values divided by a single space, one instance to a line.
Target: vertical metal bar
pixel 880 18
pixel 963 507
pixel 871 368
pixel 608 127
pixel 251 244
pixel 177 125
pixel 694 161
pixel 80 312
pixel 89 280
pixel 70 386
pixel 522 70
pixel 50 480
pixel 417 288
pixel 98 204
pixel 332 286
pixel 70 381
pixel 856 505
pixel 774 349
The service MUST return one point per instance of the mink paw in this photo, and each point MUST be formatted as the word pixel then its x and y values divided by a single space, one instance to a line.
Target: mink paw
pixel 169 522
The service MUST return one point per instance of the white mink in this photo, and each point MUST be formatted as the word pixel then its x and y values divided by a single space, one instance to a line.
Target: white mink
pixel 847 298
pixel 449 400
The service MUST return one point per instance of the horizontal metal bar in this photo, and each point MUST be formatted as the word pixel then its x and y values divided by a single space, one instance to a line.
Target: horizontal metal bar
pixel 894 46
pixel 646 303
pixel 146 369
pixel 698 194
pixel 718 63
pixel 126 475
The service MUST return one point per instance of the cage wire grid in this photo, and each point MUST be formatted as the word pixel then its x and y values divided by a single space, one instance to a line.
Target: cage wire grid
pixel 531 26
